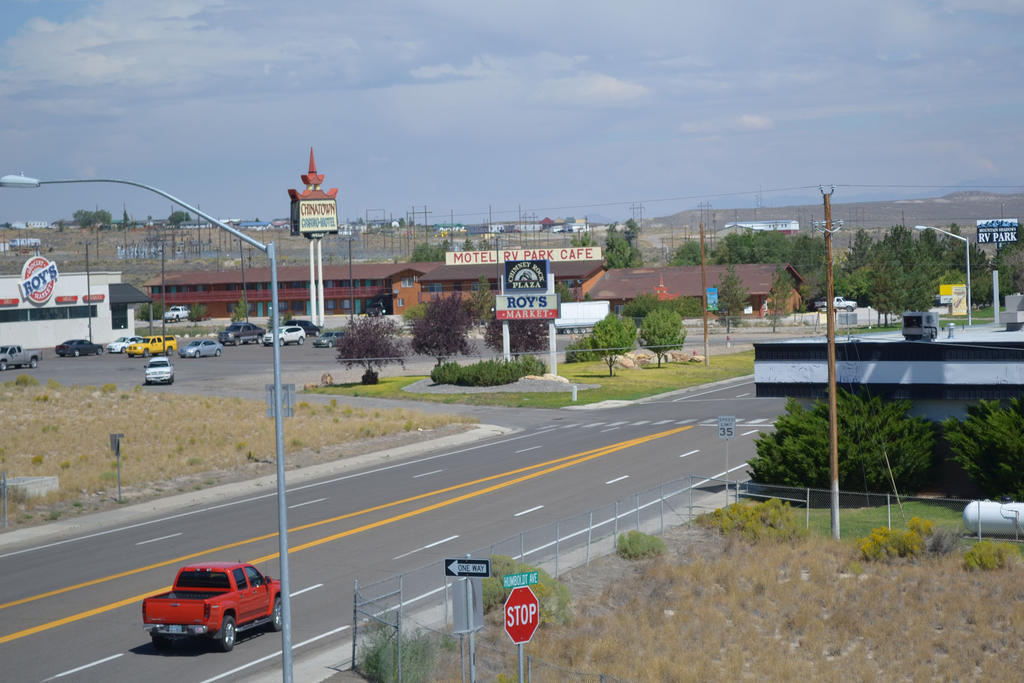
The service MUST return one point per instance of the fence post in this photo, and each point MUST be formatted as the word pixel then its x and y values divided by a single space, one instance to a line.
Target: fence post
pixel 522 548
pixel 807 510
pixel 888 512
pixel 355 621
pixel 398 624
pixel 556 549
pixel 3 490
pixel 661 511
pixel 689 490
pixel 638 512
pixel 446 600
pixel 590 529
pixel 615 528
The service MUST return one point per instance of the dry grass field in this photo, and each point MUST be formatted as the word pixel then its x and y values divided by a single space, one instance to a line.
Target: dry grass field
pixel 172 443
pixel 715 609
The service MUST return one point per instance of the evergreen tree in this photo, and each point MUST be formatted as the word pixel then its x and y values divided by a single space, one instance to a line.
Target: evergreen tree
pixel 989 445
pixel 732 297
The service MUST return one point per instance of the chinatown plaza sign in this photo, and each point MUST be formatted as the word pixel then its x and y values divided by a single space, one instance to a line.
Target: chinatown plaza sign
pixel 467 258
pixel 38 278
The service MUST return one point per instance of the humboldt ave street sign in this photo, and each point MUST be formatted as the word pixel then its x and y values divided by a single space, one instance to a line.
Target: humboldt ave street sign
pixel 522 615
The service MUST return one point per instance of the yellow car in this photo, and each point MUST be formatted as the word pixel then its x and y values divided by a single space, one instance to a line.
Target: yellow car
pixel 152 346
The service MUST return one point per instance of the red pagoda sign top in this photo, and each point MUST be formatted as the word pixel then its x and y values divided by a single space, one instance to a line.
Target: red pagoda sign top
pixel 314 212
pixel 662 291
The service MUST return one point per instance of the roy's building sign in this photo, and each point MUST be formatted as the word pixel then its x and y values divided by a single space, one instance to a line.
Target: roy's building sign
pixel 526 306
pixel 38 278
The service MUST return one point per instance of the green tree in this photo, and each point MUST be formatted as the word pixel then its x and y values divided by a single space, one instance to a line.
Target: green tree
pixel 241 311
pixel 732 297
pixel 686 254
pixel 619 253
pixel 564 291
pixel 612 337
pixel 583 239
pixel 779 295
pixel 425 252
pixel 178 217
pixel 481 301
pixel 662 331
pixel 873 435
pixel 989 445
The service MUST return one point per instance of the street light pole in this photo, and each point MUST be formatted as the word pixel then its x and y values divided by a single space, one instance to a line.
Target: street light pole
pixel 967 253
pixel 21 181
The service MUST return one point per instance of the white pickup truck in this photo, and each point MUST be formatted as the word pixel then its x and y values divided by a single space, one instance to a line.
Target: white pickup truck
pixel 17 357
pixel 839 303
pixel 176 313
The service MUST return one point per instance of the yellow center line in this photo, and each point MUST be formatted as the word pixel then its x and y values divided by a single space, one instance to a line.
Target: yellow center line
pixel 550 465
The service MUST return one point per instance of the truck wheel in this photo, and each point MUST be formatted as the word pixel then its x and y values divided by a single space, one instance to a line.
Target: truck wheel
pixel 161 643
pixel 3 365
pixel 277 618
pixel 34 363
pixel 145 353
pixel 226 635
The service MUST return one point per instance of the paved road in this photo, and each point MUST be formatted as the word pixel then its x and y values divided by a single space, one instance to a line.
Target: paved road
pixel 69 603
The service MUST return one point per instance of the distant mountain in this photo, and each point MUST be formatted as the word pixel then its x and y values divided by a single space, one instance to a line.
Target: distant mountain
pixel 962 208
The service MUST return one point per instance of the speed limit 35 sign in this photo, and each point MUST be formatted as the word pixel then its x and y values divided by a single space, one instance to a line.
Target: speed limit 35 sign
pixel 726 426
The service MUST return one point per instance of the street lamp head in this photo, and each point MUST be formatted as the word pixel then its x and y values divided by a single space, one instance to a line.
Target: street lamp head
pixel 922 227
pixel 18 181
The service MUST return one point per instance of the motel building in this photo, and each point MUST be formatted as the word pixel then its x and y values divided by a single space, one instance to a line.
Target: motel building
pixel 42 306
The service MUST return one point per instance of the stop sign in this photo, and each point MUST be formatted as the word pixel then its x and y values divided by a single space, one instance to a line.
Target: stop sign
pixel 522 614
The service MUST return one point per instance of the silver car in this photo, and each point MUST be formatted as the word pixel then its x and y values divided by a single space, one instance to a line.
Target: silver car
pixel 121 343
pixel 198 348
pixel 287 334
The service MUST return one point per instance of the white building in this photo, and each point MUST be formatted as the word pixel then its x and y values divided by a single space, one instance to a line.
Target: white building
pixel 42 307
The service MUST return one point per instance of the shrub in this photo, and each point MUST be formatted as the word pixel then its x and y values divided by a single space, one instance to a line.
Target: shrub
pixel 886 544
pixel 636 545
pixel 580 351
pixel 942 541
pixel 551 593
pixel 771 520
pixel 25 381
pixel 446 373
pixel 986 556
pixel 108 388
pixel 989 445
pixel 377 658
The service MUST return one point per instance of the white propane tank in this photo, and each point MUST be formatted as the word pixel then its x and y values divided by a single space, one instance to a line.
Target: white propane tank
pixel 996 519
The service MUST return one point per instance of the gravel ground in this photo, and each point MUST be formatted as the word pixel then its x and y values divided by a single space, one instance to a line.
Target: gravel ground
pixel 426 386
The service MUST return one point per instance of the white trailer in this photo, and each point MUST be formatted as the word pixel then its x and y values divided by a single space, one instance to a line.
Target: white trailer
pixel 578 317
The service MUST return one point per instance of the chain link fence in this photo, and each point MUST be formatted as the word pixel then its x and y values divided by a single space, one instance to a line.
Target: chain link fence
pixel 417 605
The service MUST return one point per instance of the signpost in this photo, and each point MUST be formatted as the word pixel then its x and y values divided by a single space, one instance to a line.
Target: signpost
pixel 522 617
pixel 727 431
pixel 470 571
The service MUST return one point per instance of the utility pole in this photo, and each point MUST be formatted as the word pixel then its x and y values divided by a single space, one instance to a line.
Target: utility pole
pixel 830 315
pixel 704 295
pixel 245 293
pixel 88 291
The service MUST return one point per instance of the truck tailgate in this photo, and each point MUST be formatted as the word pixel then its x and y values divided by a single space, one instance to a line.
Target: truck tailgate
pixel 167 610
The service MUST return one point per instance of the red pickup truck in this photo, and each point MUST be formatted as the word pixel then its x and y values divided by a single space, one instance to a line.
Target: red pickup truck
pixel 216 600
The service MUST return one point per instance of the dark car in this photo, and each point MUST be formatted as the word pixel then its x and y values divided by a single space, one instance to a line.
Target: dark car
pixel 309 328
pixel 328 340
pixel 241 333
pixel 78 347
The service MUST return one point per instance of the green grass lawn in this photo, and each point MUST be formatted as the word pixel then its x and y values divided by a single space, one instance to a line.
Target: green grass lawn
pixel 624 385
pixel 855 523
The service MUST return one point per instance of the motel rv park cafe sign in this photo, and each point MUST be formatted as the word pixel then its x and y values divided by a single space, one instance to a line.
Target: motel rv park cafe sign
pixel 494 256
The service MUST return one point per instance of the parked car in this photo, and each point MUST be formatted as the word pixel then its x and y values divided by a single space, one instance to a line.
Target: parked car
pixel 17 357
pixel 838 303
pixel 287 334
pixel 153 346
pixel 240 333
pixel 121 343
pixel 159 371
pixel 309 328
pixel 328 340
pixel 176 313
pixel 78 347
pixel 198 348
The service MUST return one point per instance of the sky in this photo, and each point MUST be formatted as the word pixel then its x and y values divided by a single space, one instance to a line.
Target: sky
pixel 470 109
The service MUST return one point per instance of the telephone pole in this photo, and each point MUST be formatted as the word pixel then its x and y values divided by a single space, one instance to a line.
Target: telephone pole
pixel 830 315
pixel 704 295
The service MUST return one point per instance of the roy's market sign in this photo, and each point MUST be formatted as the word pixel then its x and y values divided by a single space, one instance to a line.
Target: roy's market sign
pixel 466 258
pixel 38 278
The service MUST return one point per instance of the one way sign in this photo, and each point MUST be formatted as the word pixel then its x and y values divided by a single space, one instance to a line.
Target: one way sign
pixel 467 567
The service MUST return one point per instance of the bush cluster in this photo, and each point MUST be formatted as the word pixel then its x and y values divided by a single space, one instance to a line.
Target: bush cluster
pixel 580 351
pixel 551 593
pixel 637 545
pixel 986 555
pixel 887 544
pixel 378 659
pixel 487 373
pixel 771 520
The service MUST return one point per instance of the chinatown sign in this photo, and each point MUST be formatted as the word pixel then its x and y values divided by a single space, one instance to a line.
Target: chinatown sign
pixel 526 306
pixel 467 258
pixel 39 277
pixel 315 216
